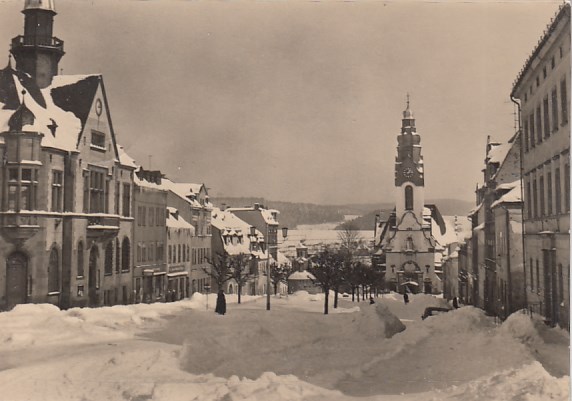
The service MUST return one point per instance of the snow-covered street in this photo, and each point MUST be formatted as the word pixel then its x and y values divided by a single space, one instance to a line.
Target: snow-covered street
pixel 182 351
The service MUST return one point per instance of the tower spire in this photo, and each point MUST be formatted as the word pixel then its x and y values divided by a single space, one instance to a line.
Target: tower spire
pixel 38 52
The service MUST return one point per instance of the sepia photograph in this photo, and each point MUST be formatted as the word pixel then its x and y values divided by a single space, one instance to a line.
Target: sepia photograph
pixel 285 200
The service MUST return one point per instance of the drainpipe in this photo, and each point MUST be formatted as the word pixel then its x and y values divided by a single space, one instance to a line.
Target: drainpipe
pixel 520 137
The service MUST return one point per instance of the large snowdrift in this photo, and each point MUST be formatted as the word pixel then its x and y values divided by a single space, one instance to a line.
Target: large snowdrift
pixel 183 351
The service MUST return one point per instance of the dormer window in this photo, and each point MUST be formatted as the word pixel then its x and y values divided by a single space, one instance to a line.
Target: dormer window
pixel 98 140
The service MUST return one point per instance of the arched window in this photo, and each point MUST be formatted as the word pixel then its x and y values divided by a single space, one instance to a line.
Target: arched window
pixel 108 268
pixel 125 254
pixel 409 197
pixel 54 272
pixel 80 262
pixel 117 256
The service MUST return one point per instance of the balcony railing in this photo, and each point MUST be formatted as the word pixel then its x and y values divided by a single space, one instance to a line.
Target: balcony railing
pixel 99 226
pixel 48 41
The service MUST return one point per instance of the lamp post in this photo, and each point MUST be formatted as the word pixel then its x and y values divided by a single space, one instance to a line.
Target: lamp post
pixel 284 235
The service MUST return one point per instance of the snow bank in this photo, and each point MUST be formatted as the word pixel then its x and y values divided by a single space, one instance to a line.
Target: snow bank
pixel 521 327
pixel 528 383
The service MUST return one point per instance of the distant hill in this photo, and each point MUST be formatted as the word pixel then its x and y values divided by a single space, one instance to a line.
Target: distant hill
pixel 447 207
pixel 293 214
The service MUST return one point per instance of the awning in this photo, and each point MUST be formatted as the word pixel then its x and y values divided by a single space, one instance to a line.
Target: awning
pixel 177 274
pixel 410 282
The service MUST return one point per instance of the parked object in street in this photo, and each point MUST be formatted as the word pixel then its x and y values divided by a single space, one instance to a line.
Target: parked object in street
pixel 434 310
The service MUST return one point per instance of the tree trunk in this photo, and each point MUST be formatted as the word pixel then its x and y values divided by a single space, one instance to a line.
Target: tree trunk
pixel 337 290
pixel 357 290
pixel 275 288
pixel 239 292
pixel 353 293
pixel 327 293
pixel 363 292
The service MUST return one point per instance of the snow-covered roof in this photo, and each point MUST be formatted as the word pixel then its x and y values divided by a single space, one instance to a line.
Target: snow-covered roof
pixel 512 196
pixel 230 225
pixel 267 214
pixel 282 259
pixel 498 152
pixel 175 220
pixel 65 104
pixel 476 209
pixel 304 275
pixel 125 159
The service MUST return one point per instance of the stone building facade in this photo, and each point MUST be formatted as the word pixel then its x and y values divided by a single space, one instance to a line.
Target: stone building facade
pixel 65 220
pixel 542 91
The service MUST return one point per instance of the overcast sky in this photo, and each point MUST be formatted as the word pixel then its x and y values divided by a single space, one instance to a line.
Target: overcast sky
pixel 301 100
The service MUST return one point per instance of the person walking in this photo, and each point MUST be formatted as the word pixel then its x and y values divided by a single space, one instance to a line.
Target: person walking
pixel 220 303
pixel 371 301
pixel 405 298
pixel 455 303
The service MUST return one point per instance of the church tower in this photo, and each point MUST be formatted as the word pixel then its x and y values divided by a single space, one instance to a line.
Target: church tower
pixel 406 245
pixel 409 178
pixel 37 52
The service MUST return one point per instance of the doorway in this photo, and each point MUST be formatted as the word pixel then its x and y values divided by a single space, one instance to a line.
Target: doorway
pixel 16 279
pixel 92 277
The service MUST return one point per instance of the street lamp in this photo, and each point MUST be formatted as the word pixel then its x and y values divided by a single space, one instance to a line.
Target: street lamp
pixel 284 235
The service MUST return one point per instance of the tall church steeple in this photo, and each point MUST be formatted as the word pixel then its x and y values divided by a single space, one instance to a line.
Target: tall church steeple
pixel 409 172
pixel 38 52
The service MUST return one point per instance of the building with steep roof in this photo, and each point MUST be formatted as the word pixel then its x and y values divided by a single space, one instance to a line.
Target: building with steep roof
pixel 65 217
pixel 542 89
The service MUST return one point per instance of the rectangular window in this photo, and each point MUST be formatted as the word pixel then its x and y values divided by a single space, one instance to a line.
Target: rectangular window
pixel 126 200
pixel 526 135
pixel 528 201
pixel 57 188
pixel 86 193
pixel 531 275
pixel 546 118
pixel 537 277
pixel 538 125
pixel 541 196
pixel 12 196
pixel 151 217
pixel 96 192
pixel 554 110
pixel 98 139
pixel 531 125
pixel 557 190
pixel 567 186
pixel 117 197
pixel 535 198
pixel 549 193
pixel 564 101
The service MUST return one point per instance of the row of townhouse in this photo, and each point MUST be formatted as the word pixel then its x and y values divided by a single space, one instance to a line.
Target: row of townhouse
pixel 518 255
pixel 80 223
pixel 253 232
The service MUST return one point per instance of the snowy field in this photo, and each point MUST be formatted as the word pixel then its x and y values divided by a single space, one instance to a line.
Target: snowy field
pixel 182 351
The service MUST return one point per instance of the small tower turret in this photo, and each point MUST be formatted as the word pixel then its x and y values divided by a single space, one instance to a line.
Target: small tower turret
pixel 38 52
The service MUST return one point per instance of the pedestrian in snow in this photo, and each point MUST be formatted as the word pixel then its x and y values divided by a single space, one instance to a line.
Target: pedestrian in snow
pixel 405 298
pixel 455 303
pixel 371 301
pixel 220 303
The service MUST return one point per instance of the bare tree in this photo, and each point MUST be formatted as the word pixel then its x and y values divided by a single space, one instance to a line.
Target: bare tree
pixel 219 269
pixel 280 274
pixel 326 268
pixel 240 270
pixel 350 238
